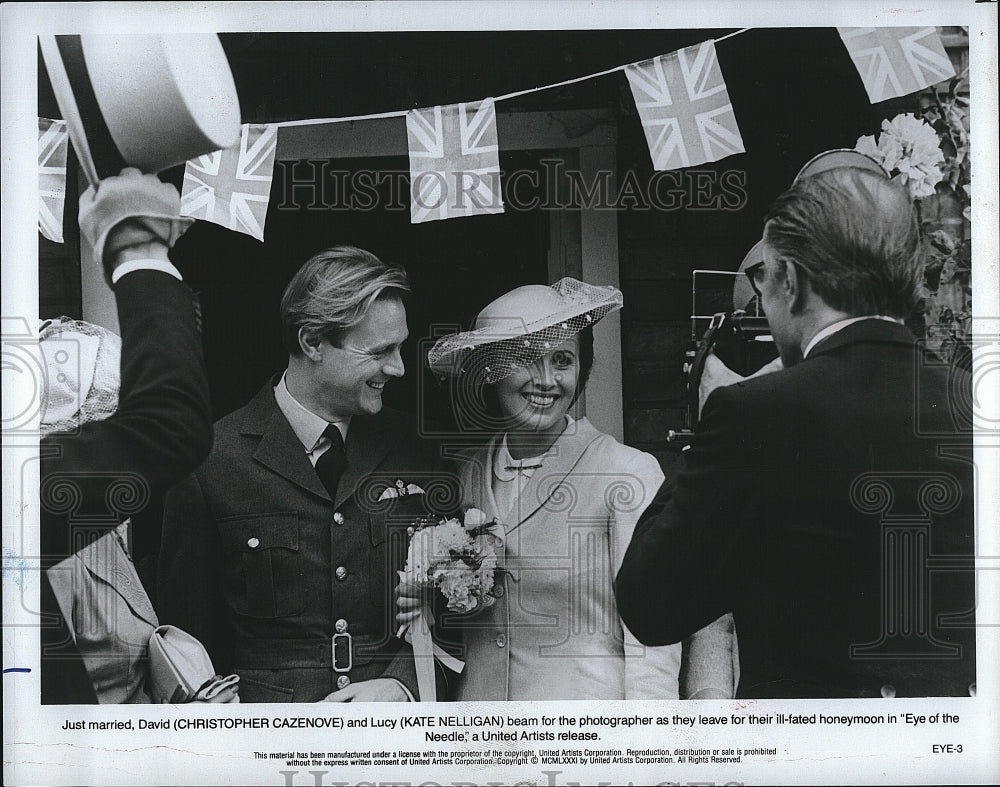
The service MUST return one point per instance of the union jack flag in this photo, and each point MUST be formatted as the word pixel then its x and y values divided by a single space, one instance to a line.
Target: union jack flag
pixel 454 161
pixel 52 141
pixel 232 187
pixel 896 61
pixel 684 108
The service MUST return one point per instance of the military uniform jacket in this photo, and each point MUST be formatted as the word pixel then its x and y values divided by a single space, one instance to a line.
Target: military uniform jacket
pixel 291 590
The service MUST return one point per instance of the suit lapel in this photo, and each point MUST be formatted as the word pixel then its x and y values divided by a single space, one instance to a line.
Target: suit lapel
pixel 476 477
pixel 367 444
pixel 280 449
pixel 566 454
pixel 106 559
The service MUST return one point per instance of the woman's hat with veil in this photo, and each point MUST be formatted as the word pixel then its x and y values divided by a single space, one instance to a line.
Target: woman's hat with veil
pixel 520 327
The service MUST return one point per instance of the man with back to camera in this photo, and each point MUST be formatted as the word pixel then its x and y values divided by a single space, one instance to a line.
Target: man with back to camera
pixel 280 551
pixel 128 454
pixel 813 500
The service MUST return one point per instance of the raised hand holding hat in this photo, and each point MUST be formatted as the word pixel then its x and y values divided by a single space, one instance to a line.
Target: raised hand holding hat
pixel 131 216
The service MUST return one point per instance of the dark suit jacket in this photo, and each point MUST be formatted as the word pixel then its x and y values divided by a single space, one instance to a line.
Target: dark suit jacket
pixel 106 471
pixel 260 564
pixel 830 507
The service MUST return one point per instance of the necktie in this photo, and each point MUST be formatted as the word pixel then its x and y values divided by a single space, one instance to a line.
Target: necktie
pixel 331 465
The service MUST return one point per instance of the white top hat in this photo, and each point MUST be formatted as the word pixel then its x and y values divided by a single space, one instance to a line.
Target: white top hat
pixel 146 101
pixel 521 326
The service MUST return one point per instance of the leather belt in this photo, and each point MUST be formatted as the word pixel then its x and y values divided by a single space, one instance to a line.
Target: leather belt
pixel 336 653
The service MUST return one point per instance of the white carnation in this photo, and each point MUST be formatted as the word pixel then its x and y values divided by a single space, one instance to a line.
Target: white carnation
pixel 909 150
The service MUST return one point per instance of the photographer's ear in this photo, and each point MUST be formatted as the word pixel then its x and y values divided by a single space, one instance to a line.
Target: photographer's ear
pixel 309 343
pixel 792 285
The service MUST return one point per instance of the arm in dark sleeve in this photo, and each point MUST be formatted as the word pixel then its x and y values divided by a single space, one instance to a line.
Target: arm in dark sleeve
pixel 188 589
pixel 442 488
pixel 162 429
pixel 681 570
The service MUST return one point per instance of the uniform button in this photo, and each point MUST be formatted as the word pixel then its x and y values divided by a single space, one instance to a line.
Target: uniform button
pixel 343 682
pixel 340 626
pixel 888 691
pixel 338 518
pixel 253 543
pixel 341 573
pixel 501 640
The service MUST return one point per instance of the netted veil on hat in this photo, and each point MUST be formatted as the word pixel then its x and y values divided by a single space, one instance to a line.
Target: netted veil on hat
pixel 82 373
pixel 521 326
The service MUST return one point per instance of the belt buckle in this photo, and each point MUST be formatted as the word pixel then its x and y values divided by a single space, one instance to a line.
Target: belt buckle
pixel 350 652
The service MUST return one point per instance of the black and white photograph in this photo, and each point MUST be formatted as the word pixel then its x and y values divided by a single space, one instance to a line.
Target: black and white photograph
pixel 619 379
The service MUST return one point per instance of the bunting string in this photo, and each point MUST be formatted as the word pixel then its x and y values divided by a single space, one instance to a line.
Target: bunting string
pixel 681 99
pixel 504 97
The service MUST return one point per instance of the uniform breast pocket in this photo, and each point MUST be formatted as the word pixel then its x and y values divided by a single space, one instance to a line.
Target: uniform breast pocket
pixel 262 564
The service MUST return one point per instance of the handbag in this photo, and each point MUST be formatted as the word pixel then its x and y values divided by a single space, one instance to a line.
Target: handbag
pixel 180 669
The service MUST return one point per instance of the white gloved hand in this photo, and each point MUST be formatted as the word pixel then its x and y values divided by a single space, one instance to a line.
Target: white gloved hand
pixel 131 216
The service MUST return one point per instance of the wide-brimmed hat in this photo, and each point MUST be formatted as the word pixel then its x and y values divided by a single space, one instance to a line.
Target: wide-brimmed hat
pixel 521 326
pixel 836 158
pixel 146 101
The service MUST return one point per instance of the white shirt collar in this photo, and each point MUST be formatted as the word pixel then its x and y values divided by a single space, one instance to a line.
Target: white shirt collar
pixel 829 330
pixel 502 460
pixel 308 426
pixel 504 464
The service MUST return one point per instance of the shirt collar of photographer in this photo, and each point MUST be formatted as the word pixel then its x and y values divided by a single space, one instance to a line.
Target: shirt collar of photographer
pixel 829 330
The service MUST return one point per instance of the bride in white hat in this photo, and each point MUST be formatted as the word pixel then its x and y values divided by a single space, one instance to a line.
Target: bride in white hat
pixel 568 497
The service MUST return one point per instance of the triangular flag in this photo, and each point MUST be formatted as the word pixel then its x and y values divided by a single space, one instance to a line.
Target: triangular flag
pixel 896 61
pixel 684 108
pixel 52 144
pixel 232 187
pixel 454 161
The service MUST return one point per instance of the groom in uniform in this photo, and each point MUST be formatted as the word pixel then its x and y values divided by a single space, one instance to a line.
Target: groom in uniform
pixel 829 505
pixel 280 551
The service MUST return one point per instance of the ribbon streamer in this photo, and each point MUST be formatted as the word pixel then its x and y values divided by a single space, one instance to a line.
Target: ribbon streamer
pixel 425 652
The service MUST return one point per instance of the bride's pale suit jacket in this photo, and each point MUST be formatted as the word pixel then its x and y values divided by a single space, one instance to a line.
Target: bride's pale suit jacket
pixel 554 631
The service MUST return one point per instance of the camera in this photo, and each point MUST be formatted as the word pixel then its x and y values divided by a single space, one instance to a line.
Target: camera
pixel 740 338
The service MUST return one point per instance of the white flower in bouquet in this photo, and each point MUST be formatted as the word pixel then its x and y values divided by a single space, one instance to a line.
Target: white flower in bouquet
pixel 474 518
pixel 459 558
pixel 909 150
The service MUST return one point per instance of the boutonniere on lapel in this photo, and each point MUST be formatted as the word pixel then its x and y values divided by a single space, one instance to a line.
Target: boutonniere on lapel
pixel 400 489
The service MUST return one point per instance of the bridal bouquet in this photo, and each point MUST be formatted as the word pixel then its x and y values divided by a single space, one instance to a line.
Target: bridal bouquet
pixel 460 559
